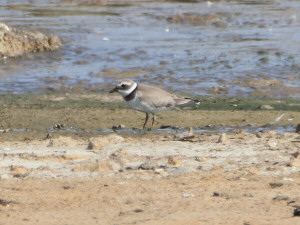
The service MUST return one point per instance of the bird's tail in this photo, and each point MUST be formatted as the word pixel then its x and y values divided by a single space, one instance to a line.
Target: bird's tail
pixel 182 101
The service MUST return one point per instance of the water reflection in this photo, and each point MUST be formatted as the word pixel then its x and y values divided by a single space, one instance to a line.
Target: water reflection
pixel 216 47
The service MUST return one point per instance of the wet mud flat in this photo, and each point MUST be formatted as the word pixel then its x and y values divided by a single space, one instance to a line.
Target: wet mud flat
pixel 55 161
pixel 85 115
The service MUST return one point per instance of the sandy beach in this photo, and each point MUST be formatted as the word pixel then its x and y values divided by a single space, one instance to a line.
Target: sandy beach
pixel 53 175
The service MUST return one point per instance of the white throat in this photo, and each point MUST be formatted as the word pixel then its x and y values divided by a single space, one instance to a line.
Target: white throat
pixel 124 93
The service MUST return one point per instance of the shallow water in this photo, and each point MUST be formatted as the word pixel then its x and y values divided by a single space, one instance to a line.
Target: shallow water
pixel 254 49
pixel 172 130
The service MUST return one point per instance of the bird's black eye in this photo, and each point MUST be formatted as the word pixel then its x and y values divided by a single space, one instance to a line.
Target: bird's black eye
pixel 123 85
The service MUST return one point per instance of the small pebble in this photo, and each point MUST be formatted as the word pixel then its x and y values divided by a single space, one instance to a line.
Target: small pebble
pixel 272 145
pixel 298 129
pixel 223 138
pixel 268 107
pixel 275 184
pixel 187 196
pixel 138 210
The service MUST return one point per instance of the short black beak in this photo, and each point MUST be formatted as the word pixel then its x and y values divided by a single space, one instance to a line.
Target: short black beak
pixel 116 89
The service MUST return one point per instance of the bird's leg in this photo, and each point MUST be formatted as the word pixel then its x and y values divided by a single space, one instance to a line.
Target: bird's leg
pixel 146 120
pixel 153 120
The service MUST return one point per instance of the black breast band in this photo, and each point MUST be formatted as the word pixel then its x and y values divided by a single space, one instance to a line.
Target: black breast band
pixel 131 95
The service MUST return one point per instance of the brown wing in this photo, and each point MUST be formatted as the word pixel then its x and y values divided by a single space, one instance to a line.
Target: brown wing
pixel 155 96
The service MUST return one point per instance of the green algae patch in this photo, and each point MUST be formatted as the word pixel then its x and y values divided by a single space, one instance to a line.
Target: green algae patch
pixel 246 103
pixel 97 101
pixel 29 116
pixel 56 101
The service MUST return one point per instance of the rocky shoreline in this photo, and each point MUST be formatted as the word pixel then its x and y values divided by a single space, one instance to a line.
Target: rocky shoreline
pixel 14 43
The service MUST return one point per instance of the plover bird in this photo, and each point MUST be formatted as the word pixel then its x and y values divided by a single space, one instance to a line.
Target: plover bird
pixel 148 99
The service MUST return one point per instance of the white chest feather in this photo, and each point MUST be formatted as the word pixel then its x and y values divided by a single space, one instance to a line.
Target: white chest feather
pixel 143 106
pixel 136 104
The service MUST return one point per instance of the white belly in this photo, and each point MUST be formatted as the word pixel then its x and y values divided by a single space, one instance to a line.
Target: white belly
pixel 145 107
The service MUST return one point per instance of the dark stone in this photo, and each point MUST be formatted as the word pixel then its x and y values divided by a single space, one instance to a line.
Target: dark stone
pixel 275 184
pixel 146 166
pixel 296 210
pixel 216 194
pixel 281 198
pixel 138 210
pixel 298 129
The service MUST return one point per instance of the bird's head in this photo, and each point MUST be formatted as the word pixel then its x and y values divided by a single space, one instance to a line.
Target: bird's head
pixel 125 87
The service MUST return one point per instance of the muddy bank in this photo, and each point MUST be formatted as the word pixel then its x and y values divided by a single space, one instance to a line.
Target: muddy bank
pixel 15 42
pixel 34 116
